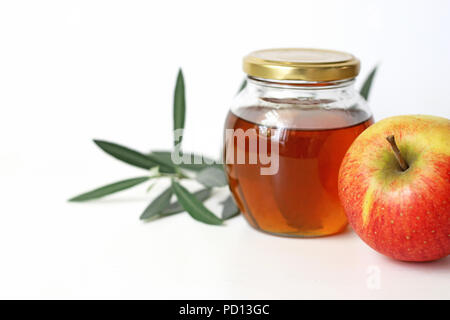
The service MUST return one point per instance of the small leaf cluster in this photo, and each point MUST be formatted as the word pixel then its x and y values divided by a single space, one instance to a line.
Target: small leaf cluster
pixel 159 164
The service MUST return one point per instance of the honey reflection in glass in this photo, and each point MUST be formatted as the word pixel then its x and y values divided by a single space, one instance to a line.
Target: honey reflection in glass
pixel 301 199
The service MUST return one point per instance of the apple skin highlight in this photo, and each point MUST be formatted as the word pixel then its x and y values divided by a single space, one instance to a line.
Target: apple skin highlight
pixel 402 214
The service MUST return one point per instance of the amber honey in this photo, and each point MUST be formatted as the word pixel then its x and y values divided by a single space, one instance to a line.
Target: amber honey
pixel 301 198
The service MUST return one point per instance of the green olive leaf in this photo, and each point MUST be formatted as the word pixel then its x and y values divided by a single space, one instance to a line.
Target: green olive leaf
pixel 133 157
pixel 179 106
pixel 158 205
pixel 193 206
pixel 229 209
pixel 365 89
pixel 109 189
pixel 175 207
pixel 243 85
pixel 212 177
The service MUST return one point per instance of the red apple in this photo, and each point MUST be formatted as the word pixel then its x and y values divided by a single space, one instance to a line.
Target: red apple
pixel 398 199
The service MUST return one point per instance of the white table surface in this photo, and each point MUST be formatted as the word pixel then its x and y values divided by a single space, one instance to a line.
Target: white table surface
pixel 54 249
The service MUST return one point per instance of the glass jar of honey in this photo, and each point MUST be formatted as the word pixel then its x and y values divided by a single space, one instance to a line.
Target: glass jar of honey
pixel 286 135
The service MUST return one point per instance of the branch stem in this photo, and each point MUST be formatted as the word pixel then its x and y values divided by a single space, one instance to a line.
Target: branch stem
pixel 401 161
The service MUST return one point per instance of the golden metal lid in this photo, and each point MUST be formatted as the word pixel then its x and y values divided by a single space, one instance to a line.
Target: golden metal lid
pixel 301 64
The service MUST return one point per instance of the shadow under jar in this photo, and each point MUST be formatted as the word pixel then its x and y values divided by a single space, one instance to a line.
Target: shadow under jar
pixel 286 135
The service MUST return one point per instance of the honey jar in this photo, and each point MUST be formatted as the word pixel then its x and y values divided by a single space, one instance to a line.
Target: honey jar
pixel 286 135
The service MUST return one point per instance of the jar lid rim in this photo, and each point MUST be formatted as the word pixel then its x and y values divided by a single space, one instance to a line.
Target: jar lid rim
pixel 307 64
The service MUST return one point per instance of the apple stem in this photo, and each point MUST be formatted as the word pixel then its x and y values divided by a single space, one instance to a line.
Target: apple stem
pixel 398 155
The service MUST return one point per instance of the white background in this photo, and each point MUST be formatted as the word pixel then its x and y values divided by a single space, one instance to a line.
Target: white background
pixel 71 71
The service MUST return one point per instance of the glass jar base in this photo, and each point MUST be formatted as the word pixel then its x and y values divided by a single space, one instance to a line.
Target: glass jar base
pixel 301 234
